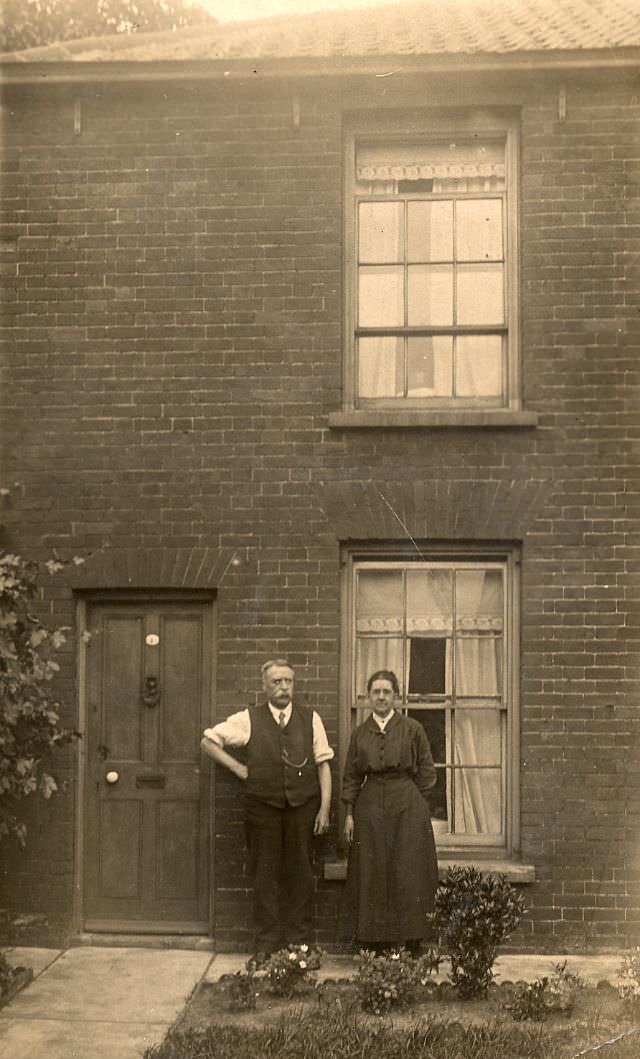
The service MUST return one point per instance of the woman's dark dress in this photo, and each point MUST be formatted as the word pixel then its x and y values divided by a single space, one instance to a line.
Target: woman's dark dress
pixel 393 871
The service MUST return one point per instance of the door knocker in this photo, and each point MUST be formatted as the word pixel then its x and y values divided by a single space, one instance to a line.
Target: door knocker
pixel 151 692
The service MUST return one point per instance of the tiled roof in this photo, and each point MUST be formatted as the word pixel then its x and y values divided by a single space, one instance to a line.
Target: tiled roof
pixel 430 27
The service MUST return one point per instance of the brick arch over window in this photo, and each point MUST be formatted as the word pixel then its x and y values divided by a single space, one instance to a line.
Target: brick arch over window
pixel 176 568
pixel 434 509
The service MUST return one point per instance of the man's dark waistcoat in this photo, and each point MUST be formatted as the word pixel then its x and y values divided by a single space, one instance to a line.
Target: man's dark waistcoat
pixel 280 760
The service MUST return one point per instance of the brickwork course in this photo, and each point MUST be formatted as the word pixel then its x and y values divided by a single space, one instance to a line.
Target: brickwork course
pixel 172 265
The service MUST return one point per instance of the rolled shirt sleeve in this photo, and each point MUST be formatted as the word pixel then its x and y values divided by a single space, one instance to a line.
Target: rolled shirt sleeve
pixel 321 749
pixel 235 732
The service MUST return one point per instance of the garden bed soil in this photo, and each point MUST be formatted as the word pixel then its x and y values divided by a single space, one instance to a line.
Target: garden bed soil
pixel 598 1014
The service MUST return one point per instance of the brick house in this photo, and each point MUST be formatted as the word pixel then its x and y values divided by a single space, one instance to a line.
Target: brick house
pixel 320 339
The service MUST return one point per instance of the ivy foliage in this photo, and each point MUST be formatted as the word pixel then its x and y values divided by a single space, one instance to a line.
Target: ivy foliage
pixel 29 711
pixel 32 23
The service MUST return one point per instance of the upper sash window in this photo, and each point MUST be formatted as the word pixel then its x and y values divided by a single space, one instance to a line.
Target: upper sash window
pixel 431 297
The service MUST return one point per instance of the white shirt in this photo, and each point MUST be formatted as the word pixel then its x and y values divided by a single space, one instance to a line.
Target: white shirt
pixel 382 722
pixel 236 732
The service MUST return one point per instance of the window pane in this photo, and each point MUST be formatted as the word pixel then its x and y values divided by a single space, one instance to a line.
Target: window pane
pixel 381 297
pixel 479 366
pixel 479 230
pixel 374 653
pixel 379 601
pixel 480 297
pixel 430 231
pixel 428 666
pixel 477 737
pixel 381 231
pixel 434 724
pixel 429 601
pixel 381 367
pixel 430 295
pixel 479 600
pixel 430 366
pixel 478 666
pixel 477 801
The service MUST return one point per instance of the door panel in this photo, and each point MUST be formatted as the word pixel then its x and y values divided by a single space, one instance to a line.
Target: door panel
pixel 147 828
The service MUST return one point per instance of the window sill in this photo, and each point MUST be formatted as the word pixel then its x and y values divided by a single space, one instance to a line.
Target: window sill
pixel 442 418
pixel 336 870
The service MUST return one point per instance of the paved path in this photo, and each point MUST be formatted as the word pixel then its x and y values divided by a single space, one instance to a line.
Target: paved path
pixel 112 1003
pixel 97 1003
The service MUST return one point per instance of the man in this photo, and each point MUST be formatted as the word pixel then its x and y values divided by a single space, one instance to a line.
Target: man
pixel 287 779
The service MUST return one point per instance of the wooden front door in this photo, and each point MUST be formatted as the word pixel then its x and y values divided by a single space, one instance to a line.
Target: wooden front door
pixel 146 866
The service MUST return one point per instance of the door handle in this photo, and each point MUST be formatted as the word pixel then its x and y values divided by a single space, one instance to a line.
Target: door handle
pixel 112 777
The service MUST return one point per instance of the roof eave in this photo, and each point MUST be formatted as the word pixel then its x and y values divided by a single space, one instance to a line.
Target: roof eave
pixel 16 72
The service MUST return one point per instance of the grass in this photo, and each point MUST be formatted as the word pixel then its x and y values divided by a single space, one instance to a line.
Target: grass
pixel 338 1033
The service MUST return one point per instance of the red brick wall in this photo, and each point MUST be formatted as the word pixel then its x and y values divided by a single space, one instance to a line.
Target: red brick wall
pixel 173 344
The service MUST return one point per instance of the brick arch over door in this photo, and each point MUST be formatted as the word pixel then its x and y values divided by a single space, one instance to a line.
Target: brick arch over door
pixel 434 509
pixel 166 568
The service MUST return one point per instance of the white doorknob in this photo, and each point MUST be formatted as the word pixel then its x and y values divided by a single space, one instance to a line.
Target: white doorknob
pixel 112 777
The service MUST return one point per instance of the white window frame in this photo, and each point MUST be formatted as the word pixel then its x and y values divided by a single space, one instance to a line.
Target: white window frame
pixel 443 124
pixel 398 556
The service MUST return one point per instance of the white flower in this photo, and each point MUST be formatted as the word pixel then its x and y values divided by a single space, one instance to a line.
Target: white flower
pixel 395 955
pixel 292 956
pixel 304 948
pixel 302 965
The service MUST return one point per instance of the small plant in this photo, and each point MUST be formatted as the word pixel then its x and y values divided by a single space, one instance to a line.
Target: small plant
pixel 530 1001
pixel 242 992
pixel 7 975
pixel 629 981
pixel 474 914
pixel 386 981
pixel 241 988
pixel 288 971
pixel 12 978
pixel 546 996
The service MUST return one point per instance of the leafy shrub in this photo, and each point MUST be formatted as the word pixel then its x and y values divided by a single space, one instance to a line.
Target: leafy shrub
pixel 629 981
pixel 288 971
pixel 391 981
pixel 29 720
pixel 474 913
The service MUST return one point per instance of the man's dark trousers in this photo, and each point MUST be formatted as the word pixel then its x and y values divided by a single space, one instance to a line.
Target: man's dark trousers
pixel 280 863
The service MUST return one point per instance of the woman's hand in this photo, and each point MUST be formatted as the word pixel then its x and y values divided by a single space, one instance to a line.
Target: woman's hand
pixel 348 828
pixel 321 822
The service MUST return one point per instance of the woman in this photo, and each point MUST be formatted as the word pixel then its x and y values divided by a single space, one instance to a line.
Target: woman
pixel 393 870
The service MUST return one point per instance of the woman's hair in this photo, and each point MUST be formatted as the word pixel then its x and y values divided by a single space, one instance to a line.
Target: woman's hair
pixel 384 674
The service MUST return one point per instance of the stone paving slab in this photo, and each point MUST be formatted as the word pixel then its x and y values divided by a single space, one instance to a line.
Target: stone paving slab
pixel 129 984
pixel 59 1039
pixel 99 1003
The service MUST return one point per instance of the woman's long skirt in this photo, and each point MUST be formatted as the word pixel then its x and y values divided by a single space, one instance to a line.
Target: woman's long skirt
pixel 393 870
